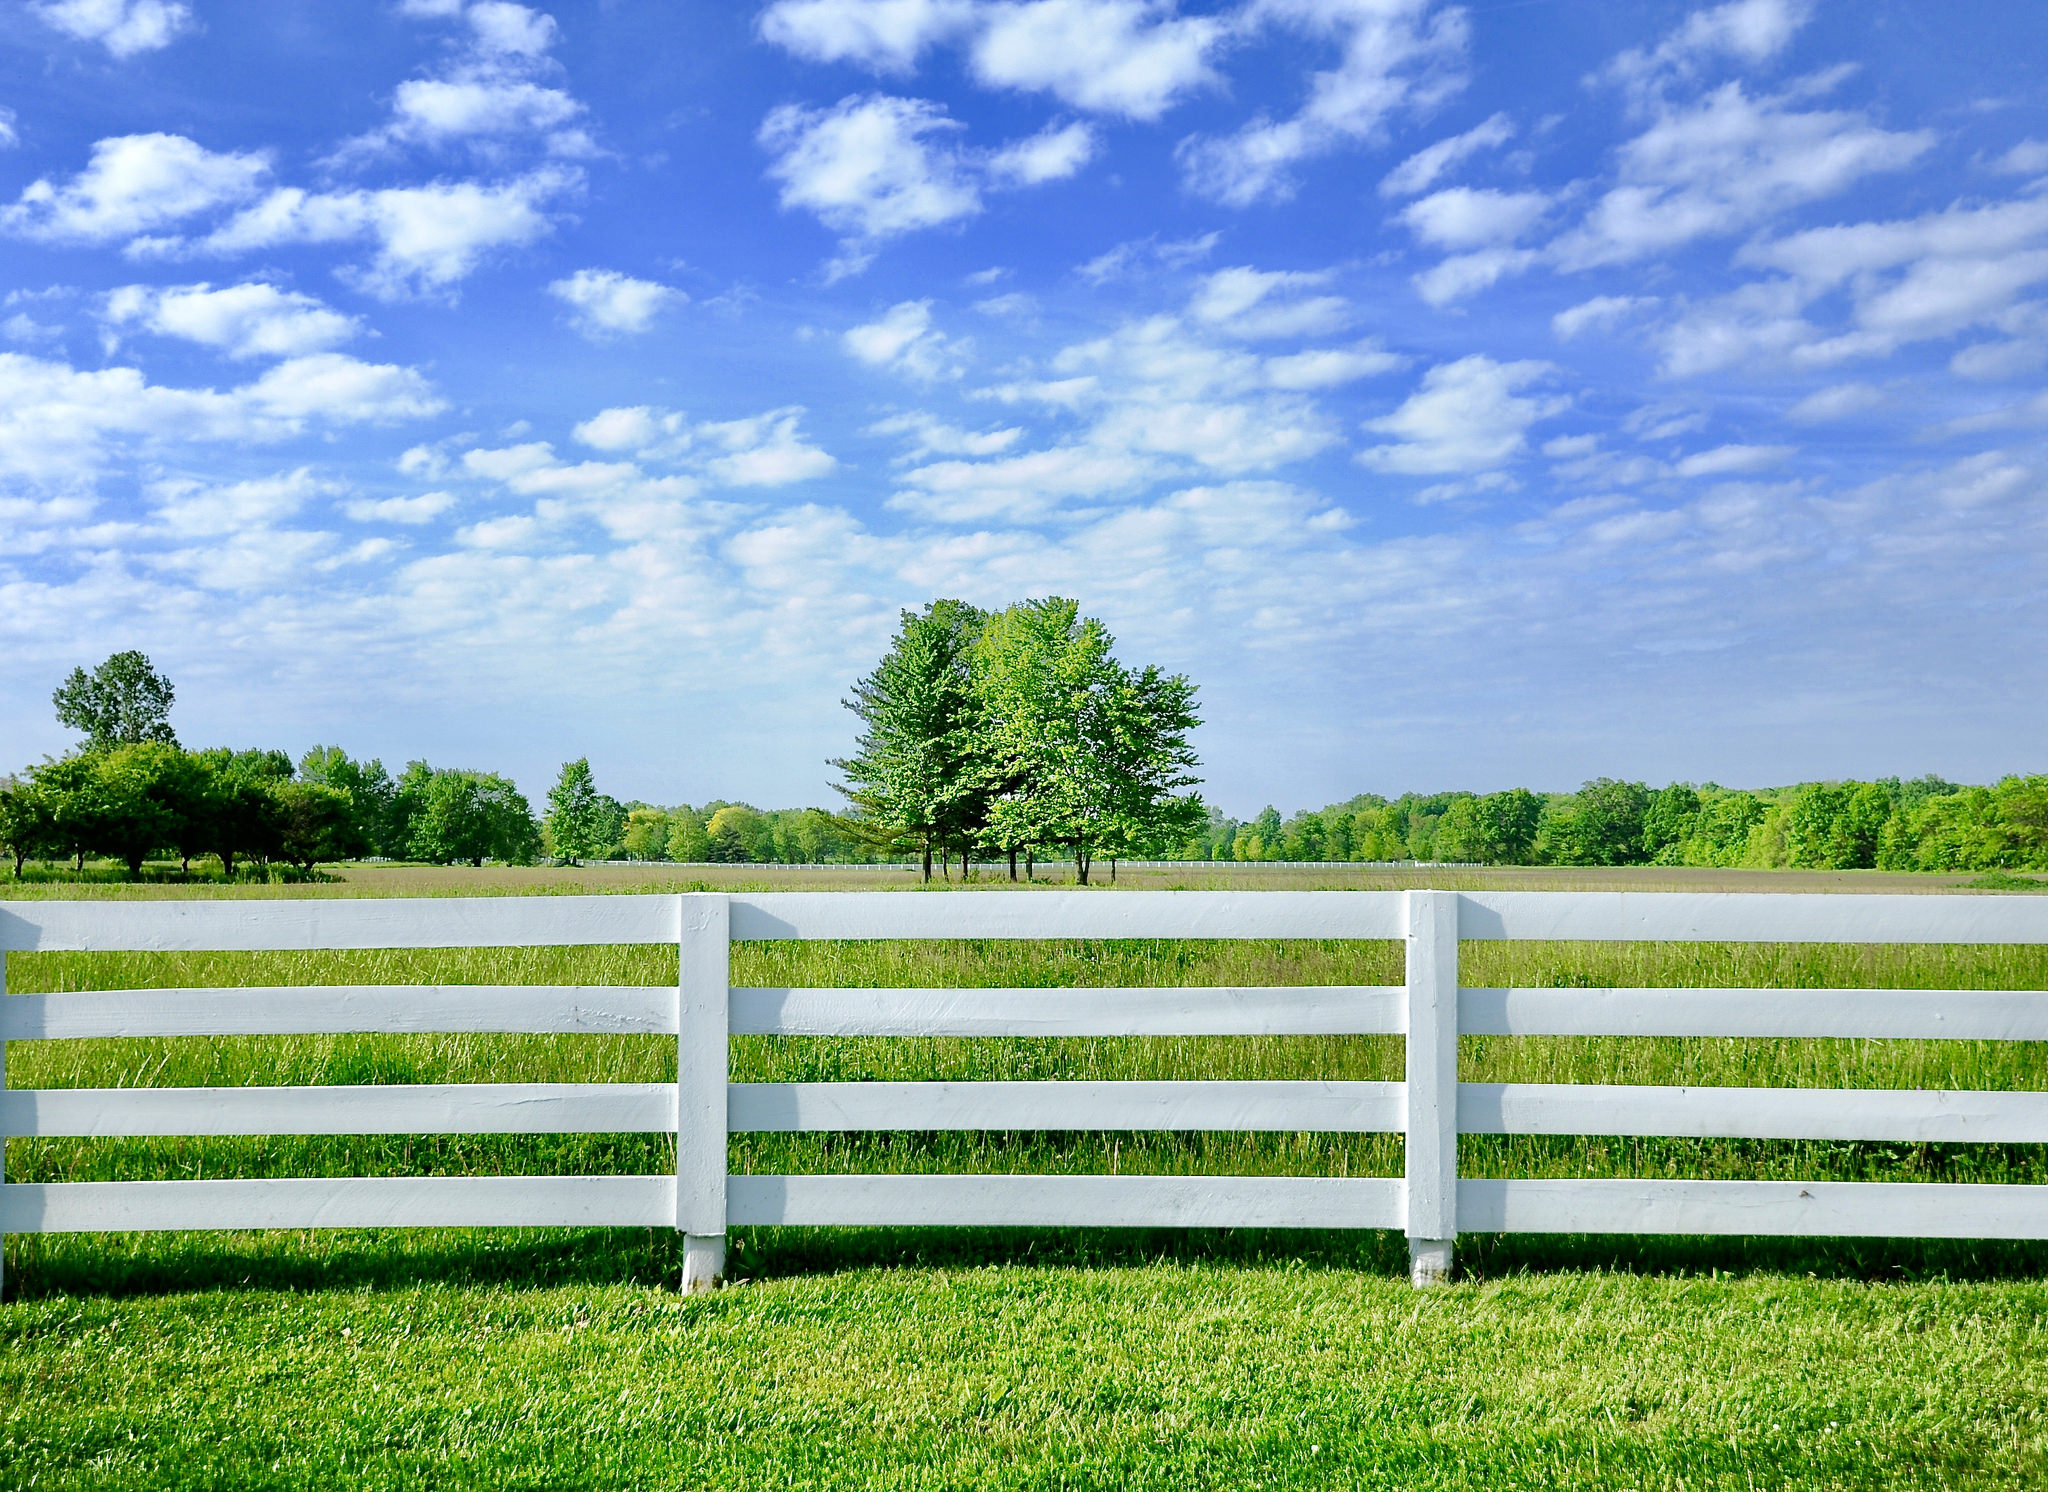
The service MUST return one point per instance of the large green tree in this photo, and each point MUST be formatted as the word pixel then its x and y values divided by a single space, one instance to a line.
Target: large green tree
pixel 121 702
pixel 473 816
pixel 918 776
pixel 579 825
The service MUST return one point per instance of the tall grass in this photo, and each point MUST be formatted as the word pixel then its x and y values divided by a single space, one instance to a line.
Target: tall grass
pixel 291 1061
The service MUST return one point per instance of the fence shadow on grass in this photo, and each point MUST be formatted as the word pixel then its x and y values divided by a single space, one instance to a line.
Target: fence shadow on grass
pixel 139 1265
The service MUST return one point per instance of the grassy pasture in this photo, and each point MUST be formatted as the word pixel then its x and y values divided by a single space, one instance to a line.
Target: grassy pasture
pixel 986 1358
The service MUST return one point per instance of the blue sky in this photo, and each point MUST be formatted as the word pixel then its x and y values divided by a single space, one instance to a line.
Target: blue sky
pixel 1465 395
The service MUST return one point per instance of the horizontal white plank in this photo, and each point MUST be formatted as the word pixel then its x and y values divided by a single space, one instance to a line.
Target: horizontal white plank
pixel 342 1202
pixel 336 922
pixel 1306 1010
pixel 1064 1105
pixel 1752 917
pixel 1101 913
pixel 374 1109
pixel 1930 1015
pixel 1909 1115
pixel 1069 1201
pixel 1818 1209
pixel 321 1009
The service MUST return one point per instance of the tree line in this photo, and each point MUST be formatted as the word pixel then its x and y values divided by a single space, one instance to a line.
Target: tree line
pixel 1926 823
pixel 1017 732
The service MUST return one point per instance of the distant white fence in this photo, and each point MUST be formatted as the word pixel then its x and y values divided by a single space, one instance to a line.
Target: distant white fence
pixel 1431 1203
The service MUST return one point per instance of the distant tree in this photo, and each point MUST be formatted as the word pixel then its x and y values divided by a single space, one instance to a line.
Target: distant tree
pixel 1602 824
pixel 314 823
pixel 27 826
pixel 646 836
pixel 123 701
pixel 371 795
pixel 578 825
pixel 737 834
pixel 135 800
pixel 688 841
pixel 918 776
pixel 473 816
pixel 241 817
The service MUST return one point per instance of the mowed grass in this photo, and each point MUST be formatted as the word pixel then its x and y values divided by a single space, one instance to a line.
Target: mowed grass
pixel 1022 1358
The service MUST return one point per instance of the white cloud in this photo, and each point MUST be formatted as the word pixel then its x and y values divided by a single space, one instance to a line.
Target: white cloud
pixel 132 184
pixel 2000 360
pixel 1469 218
pixel 870 167
pixel 407 510
pixel 1125 57
pixel 2028 158
pixel 1397 54
pixel 1420 171
pixel 903 339
pixel 607 303
pixel 427 238
pixel 886 35
pixel 2023 415
pixel 1127 258
pixel 1469 415
pixel 189 507
pixel 10 135
pixel 929 436
pixel 1751 31
pixel 1725 164
pixel 60 424
pixel 1733 460
pixel 488 97
pixel 1331 367
pixel 253 319
pixel 1253 303
pixel 1601 311
pixel 1468 274
pixel 1054 153
pixel 1840 402
pixel 766 450
pixel 123 27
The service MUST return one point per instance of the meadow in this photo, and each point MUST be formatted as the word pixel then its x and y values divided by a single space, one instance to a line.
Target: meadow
pixel 1027 1358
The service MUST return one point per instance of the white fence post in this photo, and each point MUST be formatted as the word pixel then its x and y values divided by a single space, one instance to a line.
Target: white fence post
pixel 3 1132
pixel 1432 1084
pixel 703 1001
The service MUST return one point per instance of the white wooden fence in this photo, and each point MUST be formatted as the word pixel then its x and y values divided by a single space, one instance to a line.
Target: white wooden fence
pixel 1431 1202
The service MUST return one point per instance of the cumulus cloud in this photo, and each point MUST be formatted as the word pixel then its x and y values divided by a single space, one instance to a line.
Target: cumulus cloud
pixel 606 303
pixel 254 319
pixel 904 340
pixel 1420 171
pixel 1841 401
pixel 60 424
pixel 1467 217
pixel 1254 303
pixel 132 184
pixel 1724 164
pixel 411 511
pixel 885 35
pixel 874 167
pixel 1469 415
pixel 1125 57
pixel 492 94
pixel 1748 31
pixel 1396 54
pixel 2028 158
pixel 766 450
pixel 428 238
pixel 1054 153
pixel 1601 311
pixel 1733 460
pixel 123 27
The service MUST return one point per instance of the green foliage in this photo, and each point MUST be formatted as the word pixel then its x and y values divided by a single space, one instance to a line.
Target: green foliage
pixel 122 702
pixel 372 795
pixel 582 823
pixel 1018 731
pixel 472 816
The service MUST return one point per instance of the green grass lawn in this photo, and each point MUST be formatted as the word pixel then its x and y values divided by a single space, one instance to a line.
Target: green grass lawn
pixel 1019 1358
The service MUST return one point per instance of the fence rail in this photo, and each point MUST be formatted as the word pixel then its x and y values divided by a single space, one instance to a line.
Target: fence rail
pixel 702 1108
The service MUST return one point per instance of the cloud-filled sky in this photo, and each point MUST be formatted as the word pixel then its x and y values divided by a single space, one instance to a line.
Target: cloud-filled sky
pixel 1465 395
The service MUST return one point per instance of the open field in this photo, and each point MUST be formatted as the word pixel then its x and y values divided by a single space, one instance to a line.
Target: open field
pixel 985 1357
pixel 381 879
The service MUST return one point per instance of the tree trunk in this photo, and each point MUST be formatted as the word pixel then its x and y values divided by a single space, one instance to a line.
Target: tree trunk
pixel 1030 861
pixel 19 857
pixel 1080 868
pixel 80 866
pixel 134 867
pixel 1013 864
pixel 927 862
pixel 227 863
pixel 1112 870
